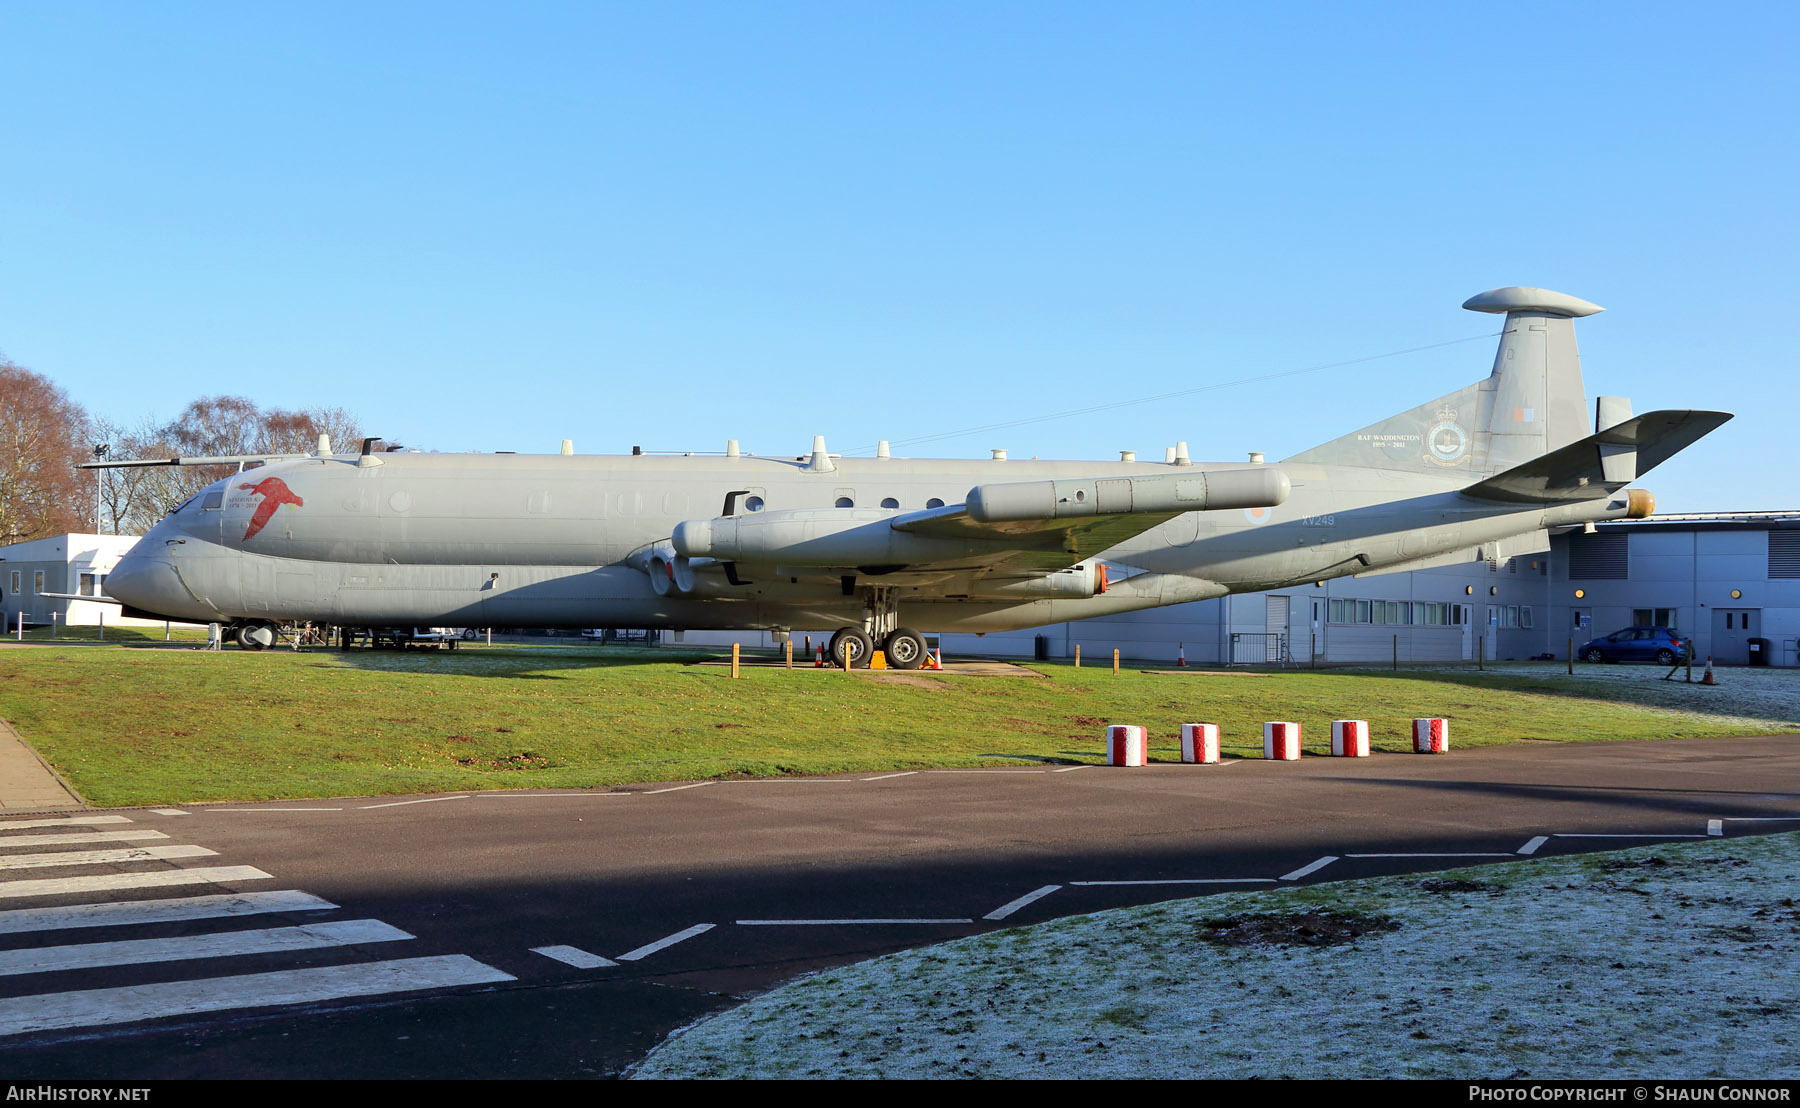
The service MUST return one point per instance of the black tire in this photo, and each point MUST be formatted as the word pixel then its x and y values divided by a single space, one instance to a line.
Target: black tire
pixel 1594 656
pixel 259 635
pixel 904 648
pixel 853 641
pixel 1665 657
pixel 468 634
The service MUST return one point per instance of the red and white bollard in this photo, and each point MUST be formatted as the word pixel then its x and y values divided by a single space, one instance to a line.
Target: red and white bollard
pixel 1181 654
pixel 1431 735
pixel 1281 741
pixel 1126 745
pixel 1200 743
pixel 1350 738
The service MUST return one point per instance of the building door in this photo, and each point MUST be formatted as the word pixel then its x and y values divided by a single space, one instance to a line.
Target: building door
pixel 1468 632
pixel 1275 624
pixel 1732 630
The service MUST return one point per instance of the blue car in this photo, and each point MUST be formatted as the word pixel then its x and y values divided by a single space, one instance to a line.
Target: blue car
pixel 1662 645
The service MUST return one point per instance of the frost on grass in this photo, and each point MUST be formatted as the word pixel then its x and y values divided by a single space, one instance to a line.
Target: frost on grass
pixel 1672 961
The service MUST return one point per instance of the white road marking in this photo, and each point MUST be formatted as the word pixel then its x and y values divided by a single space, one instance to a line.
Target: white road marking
pixel 790 780
pixel 1715 827
pixel 993 772
pixel 1311 868
pixel 678 788
pixel 1012 906
pixel 274 809
pixel 891 776
pixel 57 886
pixel 1473 854
pixel 1761 819
pixel 93 1007
pixel 119 913
pixel 99 857
pixel 80 837
pixel 573 956
pixel 838 922
pixel 1067 769
pixel 1622 835
pixel 402 803
pixel 62 821
pixel 1532 844
pixel 660 944
pixel 1187 881
pixel 530 796
pixel 168 811
pixel 223 944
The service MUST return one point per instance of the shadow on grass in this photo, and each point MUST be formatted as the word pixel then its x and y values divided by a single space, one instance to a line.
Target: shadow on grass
pixel 514 663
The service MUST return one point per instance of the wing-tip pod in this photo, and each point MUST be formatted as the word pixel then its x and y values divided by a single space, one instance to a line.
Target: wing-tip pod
pixel 1206 490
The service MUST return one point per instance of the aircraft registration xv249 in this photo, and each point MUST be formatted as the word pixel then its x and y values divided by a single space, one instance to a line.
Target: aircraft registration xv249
pixel 877 547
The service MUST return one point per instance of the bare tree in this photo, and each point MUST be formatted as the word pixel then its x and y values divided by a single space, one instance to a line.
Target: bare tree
pixel 217 426
pixel 43 441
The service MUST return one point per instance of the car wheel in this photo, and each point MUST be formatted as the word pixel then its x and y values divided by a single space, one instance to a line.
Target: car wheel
pixel 1665 657
pixel 1595 656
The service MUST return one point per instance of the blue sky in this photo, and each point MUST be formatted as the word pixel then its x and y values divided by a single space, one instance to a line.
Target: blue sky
pixel 491 227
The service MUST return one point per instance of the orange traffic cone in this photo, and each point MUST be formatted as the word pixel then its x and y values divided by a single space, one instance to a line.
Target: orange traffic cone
pixel 819 656
pixel 1181 654
pixel 937 658
pixel 1707 677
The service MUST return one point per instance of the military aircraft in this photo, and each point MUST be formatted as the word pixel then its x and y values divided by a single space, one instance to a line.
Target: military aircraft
pixel 877 547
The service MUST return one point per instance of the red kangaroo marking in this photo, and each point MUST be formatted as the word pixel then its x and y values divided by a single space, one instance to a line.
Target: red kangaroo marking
pixel 275 493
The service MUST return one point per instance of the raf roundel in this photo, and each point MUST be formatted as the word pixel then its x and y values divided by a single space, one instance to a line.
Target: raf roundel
pixel 1259 516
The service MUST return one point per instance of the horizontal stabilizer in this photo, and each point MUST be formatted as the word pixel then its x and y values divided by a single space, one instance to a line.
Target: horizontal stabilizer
pixel 1590 468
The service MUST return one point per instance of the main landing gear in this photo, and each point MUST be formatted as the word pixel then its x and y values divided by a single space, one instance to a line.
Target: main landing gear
pixel 903 647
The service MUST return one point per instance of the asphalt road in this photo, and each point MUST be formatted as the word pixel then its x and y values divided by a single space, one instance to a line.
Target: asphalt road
pixel 564 935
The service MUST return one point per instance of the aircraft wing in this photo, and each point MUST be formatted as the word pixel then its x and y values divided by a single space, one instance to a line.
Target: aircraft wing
pixel 1601 463
pixel 1029 528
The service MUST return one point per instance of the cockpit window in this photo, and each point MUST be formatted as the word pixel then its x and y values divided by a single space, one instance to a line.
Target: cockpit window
pixel 215 499
pixel 182 505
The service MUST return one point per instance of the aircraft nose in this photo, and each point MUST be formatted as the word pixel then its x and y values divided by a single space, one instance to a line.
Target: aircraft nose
pixel 152 585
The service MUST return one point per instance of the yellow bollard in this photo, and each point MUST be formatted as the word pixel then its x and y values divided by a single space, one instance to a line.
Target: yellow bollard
pixel 1115 661
pixel 790 654
pixel 734 661
pixel 1077 655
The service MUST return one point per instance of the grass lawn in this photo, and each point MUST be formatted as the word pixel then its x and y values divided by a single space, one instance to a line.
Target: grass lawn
pixel 142 724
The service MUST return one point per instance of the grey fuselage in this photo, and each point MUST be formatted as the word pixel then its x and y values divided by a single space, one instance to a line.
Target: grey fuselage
pixel 562 541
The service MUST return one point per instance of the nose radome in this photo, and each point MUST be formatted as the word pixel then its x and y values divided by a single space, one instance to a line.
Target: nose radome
pixel 152 585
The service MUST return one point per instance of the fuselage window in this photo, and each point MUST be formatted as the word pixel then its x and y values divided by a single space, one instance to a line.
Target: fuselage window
pixel 845 502
pixel 753 504
pixel 889 502
pixel 934 502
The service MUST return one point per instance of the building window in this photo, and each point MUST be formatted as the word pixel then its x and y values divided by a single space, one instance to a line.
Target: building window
pixel 88 586
pixel 15 583
pixel 1525 615
pixel 37 582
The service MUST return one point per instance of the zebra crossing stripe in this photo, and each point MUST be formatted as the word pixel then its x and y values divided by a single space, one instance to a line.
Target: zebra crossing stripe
pixel 58 886
pixel 99 857
pixel 126 913
pixel 61 821
pixel 97 1007
pixel 222 944
pixel 80 837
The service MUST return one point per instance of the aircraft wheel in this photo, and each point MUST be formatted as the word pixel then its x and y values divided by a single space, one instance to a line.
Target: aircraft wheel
pixel 905 648
pixel 1595 656
pixel 851 642
pixel 256 636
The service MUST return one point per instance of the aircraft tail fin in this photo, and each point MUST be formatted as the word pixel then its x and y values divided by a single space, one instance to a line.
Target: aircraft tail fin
pixel 1531 404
